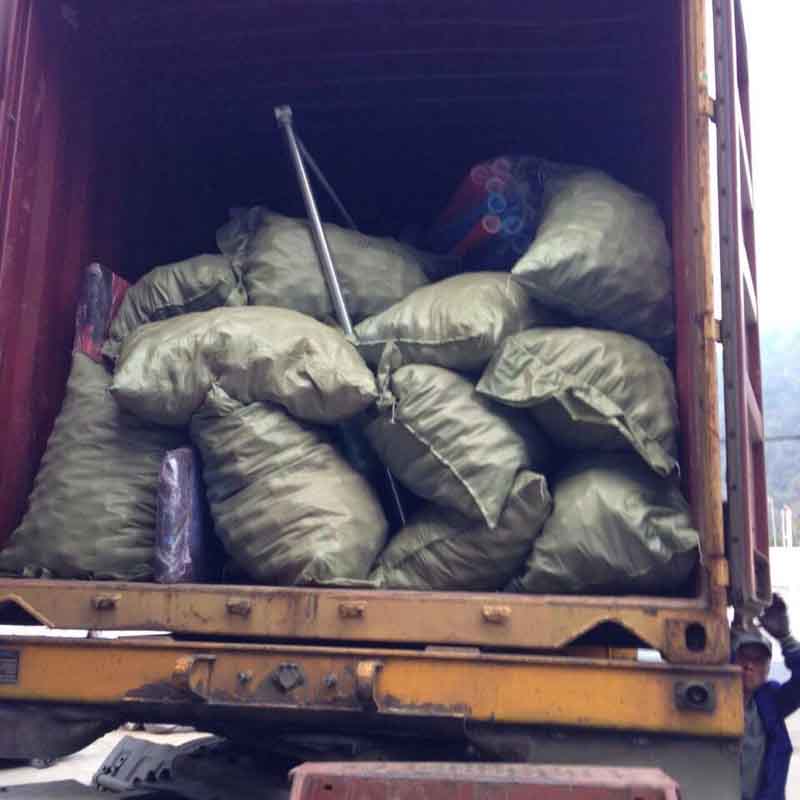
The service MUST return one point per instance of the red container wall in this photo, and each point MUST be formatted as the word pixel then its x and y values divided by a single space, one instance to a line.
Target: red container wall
pixel 45 193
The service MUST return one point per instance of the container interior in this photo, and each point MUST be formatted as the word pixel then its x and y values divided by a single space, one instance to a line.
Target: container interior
pixel 142 123
pixel 395 100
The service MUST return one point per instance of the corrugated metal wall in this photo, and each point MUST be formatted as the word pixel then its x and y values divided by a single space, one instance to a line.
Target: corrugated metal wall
pixel 45 183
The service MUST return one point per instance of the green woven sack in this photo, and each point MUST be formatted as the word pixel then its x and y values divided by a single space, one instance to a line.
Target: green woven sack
pixel 616 528
pixel 255 354
pixel 590 390
pixel 442 550
pixel 280 267
pixel 601 256
pixel 447 443
pixel 287 506
pixel 92 510
pixel 196 284
pixel 456 323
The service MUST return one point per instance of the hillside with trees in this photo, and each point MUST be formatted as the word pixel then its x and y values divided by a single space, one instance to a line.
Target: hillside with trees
pixel 780 366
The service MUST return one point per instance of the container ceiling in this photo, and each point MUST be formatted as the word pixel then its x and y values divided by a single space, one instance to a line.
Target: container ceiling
pixel 395 99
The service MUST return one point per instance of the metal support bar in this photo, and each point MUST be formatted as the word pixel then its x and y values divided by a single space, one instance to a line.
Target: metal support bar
pixel 297 152
pixel 515 622
pixel 746 537
pixel 309 159
pixel 384 683
pixel 284 116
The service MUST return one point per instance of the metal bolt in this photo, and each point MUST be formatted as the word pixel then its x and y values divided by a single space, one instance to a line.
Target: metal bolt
pixel 105 602
pixel 352 610
pixel 245 677
pixel 287 677
pixel 330 681
pixel 239 607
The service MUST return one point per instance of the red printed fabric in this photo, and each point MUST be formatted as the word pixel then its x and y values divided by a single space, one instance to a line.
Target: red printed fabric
pixel 99 300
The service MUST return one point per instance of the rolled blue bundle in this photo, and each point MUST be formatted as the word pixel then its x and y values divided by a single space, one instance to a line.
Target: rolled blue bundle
pixel 510 189
pixel 181 554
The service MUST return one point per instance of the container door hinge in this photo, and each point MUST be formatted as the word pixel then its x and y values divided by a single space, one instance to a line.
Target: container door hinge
pixel 718 571
pixel 192 674
pixel 708 107
pixel 366 683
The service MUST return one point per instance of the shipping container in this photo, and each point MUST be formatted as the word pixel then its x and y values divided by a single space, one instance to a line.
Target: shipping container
pixel 129 128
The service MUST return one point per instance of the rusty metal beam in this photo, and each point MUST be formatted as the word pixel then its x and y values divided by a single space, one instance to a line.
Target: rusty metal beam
pixel 382 781
pixel 444 683
pixel 684 630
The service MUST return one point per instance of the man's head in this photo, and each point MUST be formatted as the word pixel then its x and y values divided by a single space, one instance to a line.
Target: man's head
pixel 753 653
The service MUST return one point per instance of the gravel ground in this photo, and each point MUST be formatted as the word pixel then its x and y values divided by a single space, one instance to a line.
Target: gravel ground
pixel 81 766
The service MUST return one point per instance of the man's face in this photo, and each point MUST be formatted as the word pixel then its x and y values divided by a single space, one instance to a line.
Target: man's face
pixel 754 661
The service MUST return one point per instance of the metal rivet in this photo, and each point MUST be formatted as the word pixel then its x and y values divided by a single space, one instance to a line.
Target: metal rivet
pixel 105 602
pixel 287 677
pixel 239 607
pixel 496 615
pixel 352 610
pixel 330 681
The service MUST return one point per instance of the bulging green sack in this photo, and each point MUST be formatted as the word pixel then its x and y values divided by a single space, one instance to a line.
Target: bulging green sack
pixel 448 444
pixel 616 528
pixel 441 550
pixel 287 506
pixel 590 390
pixel 255 354
pixel 456 323
pixel 601 256
pixel 279 264
pixel 92 510
pixel 196 284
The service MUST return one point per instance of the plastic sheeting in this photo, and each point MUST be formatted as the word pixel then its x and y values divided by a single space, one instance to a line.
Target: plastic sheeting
pixel 101 294
pixel 182 547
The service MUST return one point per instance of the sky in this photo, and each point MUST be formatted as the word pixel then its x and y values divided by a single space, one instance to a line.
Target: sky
pixel 774 59
pixel 774 62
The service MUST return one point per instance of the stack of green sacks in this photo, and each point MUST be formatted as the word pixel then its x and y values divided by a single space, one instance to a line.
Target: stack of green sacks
pixel 570 342
pixel 256 387
pixel 530 416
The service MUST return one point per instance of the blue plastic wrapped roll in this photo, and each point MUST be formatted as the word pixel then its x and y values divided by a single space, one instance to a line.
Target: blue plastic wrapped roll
pixel 181 540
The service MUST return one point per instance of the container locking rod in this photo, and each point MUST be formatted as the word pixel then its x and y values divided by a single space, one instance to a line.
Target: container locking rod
pixel 283 114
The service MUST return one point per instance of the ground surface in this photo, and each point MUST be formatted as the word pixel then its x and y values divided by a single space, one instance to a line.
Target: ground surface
pixel 81 766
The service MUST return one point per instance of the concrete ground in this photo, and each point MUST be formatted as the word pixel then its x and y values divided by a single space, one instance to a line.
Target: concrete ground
pixel 81 766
